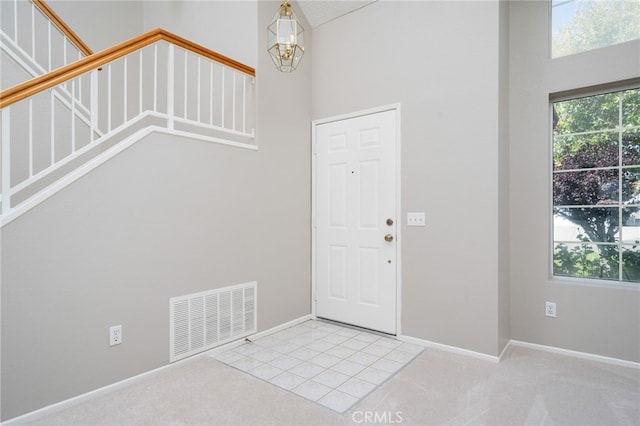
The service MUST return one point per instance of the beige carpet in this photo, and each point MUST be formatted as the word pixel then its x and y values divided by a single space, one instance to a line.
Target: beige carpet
pixel 528 387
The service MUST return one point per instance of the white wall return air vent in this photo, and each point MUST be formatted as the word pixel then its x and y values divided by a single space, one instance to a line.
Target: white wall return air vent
pixel 202 321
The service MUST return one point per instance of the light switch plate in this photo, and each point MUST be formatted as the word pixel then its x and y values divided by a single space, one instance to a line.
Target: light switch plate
pixel 415 219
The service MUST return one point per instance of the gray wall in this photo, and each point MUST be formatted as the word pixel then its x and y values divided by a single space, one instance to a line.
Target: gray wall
pixel 283 180
pixel 228 27
pixel 159 220
pixel 167 217
pixel 441 62
pixel 101 24
pixel 599 319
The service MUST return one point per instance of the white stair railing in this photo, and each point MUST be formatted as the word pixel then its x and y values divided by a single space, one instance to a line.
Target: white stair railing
pixel 157 79
pixel 36 39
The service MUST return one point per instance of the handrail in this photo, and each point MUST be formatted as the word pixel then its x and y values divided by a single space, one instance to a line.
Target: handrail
pixel 96 60
pixel 73 37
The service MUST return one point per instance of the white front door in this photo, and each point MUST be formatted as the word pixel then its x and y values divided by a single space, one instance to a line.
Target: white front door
pixel 355 217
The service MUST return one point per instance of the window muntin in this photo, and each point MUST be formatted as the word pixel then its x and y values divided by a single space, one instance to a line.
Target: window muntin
pixel 596 186
pixel 581 25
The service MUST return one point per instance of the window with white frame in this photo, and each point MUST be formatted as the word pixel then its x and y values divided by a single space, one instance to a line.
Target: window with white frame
pixel 596 186
pixel 581 25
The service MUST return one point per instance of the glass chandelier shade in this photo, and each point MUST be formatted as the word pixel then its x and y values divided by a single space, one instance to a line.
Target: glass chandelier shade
pixel 285 37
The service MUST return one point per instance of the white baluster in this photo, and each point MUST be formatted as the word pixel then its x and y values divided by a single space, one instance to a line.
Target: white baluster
pixel 170 87
pixel 198 87
pixel 30 136
pixel 140 82
pixel 64 51
pixel 109 98
pixel 73 115
pixel 211 92
pixel 125 90
pixel 15 21
pixel 94 103
pixel 80 100
pixel 244 103
pixel 49 44
pixel 233 103
pixel 6 161
pixel 222 97
pixel 33 31
pixel 53 128
pixel 186 92
pixel 155 77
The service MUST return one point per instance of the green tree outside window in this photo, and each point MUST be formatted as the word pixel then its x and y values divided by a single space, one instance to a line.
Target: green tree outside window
pixel 581 25
pixel 596 186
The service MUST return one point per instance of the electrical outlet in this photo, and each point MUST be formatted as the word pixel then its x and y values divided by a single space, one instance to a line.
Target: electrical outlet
pixel 550 309
pixel 115 335
pixel 415 219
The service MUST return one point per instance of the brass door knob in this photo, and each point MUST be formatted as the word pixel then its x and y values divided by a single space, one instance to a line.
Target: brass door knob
pixel 388 238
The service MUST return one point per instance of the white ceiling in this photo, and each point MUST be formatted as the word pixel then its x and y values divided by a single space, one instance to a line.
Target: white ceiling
pixel 319 12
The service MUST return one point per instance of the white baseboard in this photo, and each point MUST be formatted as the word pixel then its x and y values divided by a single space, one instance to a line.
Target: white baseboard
pixel 50 409
pixel 504 350
pixel 576 354
pixel 257 335
pixel 535 346
pixel 447 348
pixel 67 403
pixel 281 327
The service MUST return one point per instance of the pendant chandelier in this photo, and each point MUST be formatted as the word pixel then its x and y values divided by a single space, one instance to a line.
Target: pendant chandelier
pixel 285 37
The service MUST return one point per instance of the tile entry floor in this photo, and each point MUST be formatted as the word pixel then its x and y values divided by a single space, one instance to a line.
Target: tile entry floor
pixel 326 363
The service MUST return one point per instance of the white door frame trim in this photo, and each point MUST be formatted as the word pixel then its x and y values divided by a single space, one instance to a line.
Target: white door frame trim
pixel 393 107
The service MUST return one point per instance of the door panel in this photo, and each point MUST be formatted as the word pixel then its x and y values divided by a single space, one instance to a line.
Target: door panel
pixel 338 272
pixel 337 196
pixel 355 195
